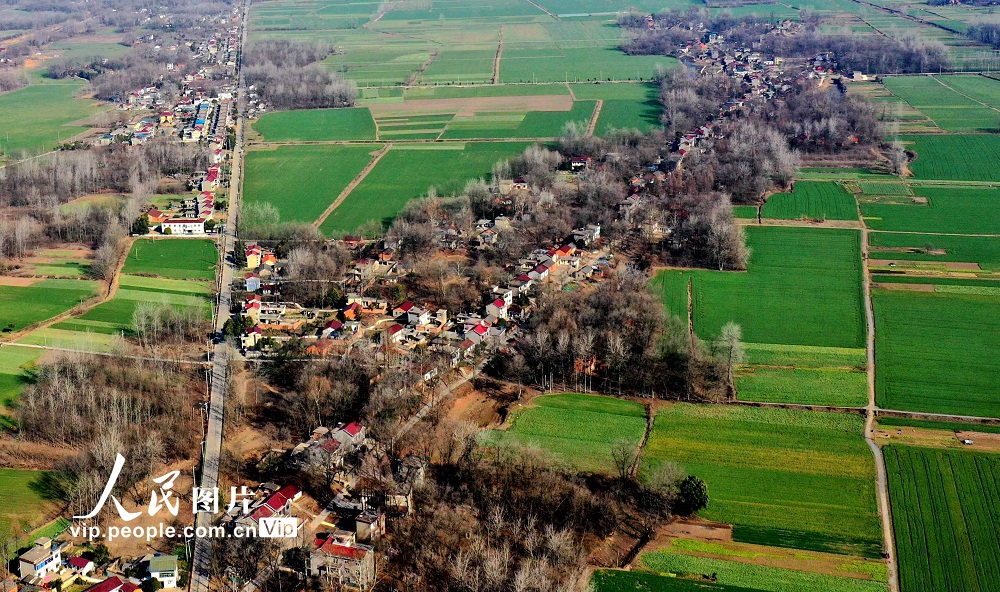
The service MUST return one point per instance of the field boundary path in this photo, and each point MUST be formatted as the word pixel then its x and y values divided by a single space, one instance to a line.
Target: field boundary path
pixel 958 92
pixel 352 185
pixel 870 411
pixel 543 9
pixel 650 418
pixel 496 60
pixel 593 118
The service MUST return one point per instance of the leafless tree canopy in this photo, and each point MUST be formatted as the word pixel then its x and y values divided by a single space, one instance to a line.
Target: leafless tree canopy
pixel 288 76
pixel 109 405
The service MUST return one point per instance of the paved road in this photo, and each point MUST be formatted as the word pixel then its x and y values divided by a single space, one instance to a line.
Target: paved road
pixel 212 451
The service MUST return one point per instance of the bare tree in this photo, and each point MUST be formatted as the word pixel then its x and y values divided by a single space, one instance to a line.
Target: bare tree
pixel 731 345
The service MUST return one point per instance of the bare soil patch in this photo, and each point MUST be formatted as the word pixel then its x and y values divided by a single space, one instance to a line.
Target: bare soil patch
pixel 471 106
pixel 928 438
pixel 472 406
pixel 18 282
pixel 695 528
pixel 955 265
pixel 906 287
pixel 803 223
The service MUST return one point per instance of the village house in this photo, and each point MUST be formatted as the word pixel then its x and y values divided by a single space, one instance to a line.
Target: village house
pixel 497 308
pixel 43 558
pixel 252 281
pixel 251 337
pixel 338 558
pixel 80 565
pixel 164 569
pixel 274 503
pixel 113 584
pixel 253 254
pixel 327 448
pixel 190 226
pixel 156 217
pixel 588 234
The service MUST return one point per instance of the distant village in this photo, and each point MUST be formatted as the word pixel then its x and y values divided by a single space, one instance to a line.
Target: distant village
pixel 760 77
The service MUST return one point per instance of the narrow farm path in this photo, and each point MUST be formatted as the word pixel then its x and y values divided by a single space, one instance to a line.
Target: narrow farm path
pixel 496 60
pixel 650 417
pixel 109 292
pixel 352 185
pixel 936 233
pixel 543 9
pixel 881 478
pixel 956 91
pixel 593 118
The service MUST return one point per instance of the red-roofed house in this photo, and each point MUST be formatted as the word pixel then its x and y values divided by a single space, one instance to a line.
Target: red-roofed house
pixel 540 272
pixel 351 565
pixel 497 308
pixel 112 584
pixel 395 333
pixel 156 216
pixel 80 565
pixel 402 309
pixel 351 434
pixel 477 333
pixel 253 253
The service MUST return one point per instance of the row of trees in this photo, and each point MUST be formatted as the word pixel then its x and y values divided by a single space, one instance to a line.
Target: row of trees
pixel 876 54
pixel 12 80
pixel 678 28
pixel 44 182
pixel 987 33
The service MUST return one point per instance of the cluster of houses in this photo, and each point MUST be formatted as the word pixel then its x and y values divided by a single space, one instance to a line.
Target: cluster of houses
pixel 190 216
pixel 410 326
pixel 47 561
pixel 342 550
pixel 759 77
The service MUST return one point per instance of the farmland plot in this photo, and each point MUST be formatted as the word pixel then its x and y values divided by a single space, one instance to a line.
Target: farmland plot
pixel 813 200
pixel 25 305
pixel 955 157
pixel 984 250
pixel 949 109
pixel 577 430
pixel 947 209
pixel 313 125
pixel 945 516
pixel 302 181
pixel 23 499
pixel 757 577
pixel 191 259
pixel 936 352
pixel 816 272
pixel 405 174
pixel 796 479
